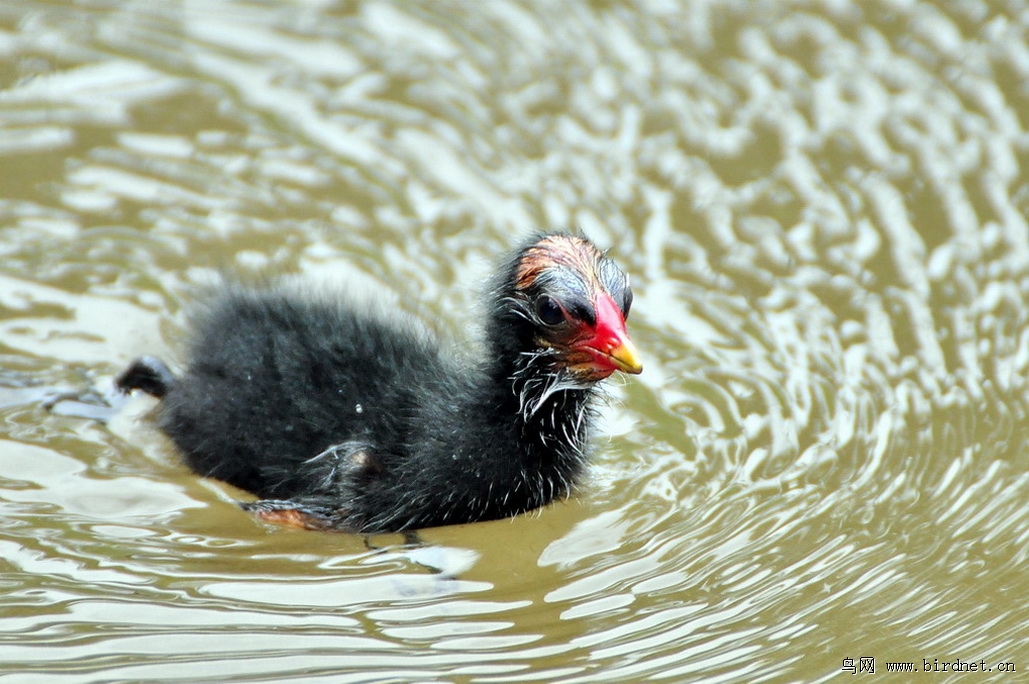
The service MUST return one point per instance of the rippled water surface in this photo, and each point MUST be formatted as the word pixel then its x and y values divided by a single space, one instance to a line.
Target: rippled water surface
pixel 823 209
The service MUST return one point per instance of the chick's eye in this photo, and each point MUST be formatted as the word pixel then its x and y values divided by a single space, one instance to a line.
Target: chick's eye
pixel 549 311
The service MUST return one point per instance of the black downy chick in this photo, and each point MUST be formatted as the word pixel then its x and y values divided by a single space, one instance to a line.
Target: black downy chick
pixel 348 421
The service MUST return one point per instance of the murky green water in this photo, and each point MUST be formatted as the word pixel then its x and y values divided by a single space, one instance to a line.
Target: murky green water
pixel 823 208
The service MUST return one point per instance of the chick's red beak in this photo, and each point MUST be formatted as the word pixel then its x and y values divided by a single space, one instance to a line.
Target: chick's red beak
pixel 609 344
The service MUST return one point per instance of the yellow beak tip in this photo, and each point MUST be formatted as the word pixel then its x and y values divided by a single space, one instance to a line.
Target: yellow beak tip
pixel 626 358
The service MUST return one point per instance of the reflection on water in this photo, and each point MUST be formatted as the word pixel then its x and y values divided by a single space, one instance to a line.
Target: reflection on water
pixel 823 208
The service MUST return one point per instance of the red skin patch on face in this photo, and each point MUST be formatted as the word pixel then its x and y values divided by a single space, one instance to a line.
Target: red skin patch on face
pixel 604 348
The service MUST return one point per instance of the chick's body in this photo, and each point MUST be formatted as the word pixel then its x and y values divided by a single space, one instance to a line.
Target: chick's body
pixel 341 419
